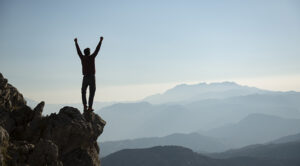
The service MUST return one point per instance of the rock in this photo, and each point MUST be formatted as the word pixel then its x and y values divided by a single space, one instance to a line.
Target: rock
pixel 38 110
pixel 4 142
pixel 34 127
pixel 97 122
pixel 72 133
pixel 6 121
pixel 18 152
pixel 10 98
pixel 68 130
pixel 29 138
pixel 45 153
pixel 79 157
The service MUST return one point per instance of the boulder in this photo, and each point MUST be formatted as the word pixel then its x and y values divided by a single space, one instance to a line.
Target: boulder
pixel 29 138
pixel 45 153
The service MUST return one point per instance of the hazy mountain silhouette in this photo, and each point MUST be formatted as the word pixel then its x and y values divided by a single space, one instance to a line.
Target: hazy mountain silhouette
pixel 289 138
pixel 283 104
pixel 144 120
pixel 187 93
pixel 284 151
pixel 255 128
pixel 193 141
pixel 179 156
pixel 198 115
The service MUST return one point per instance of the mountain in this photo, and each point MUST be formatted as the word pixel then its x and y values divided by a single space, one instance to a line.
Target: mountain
pixel 255 128
pixel 283 151
pixel 188 93
pixel 179 156
pixel 140 119
pixel 283 104
pixel 27 137
pixel 289 138
pixel 192 141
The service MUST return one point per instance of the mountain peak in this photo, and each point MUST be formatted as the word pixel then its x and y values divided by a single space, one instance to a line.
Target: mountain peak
pixel 201 84
pixel 185 93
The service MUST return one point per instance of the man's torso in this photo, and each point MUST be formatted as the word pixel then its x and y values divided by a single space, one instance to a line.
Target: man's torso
pixel 88 65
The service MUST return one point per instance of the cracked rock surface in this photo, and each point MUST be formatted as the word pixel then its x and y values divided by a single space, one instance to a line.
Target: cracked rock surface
pixel 29 138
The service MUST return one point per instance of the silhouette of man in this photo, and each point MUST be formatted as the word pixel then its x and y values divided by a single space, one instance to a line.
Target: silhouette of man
pixel 88 71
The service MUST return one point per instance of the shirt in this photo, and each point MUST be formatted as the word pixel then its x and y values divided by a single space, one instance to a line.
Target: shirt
pixel 88 65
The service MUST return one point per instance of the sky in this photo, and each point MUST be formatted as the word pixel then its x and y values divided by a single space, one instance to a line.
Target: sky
pixel 148 46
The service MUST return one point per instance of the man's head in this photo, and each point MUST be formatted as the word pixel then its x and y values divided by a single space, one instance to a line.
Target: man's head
pixel 87 52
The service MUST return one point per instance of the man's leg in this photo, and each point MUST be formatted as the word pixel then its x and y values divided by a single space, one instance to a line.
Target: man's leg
pixel 83 91
pixel 92 91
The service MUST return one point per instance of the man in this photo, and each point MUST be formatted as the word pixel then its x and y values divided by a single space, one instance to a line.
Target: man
pixel 88 71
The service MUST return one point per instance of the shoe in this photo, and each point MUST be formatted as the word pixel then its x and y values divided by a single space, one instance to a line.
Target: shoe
pixel 90 109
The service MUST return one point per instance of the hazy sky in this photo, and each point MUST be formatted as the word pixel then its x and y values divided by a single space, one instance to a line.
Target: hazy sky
pixel 148 46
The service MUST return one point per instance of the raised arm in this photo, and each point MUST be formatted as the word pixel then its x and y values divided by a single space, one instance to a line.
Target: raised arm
pixel 77 48
pixel 98 47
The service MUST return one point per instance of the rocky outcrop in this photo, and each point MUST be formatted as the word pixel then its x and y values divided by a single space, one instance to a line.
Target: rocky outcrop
pixel 29 138
pixel 4 139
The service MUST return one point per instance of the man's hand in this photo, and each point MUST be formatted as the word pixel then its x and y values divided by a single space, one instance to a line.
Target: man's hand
pixel 75 40
pixel 101 38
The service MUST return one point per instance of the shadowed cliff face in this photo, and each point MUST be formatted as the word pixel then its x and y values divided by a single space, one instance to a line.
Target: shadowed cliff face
pixel 28 138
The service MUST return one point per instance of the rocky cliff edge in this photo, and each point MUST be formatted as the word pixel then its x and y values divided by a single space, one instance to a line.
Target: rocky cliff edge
pixel 28 138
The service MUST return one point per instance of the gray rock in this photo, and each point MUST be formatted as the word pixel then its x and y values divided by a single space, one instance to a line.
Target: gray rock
pixel 6 121
pixel 72 133
pixel 18 153
pixel 29 138
pixel 4 142
pixel 38 110
pixel 79 157
pixel 45 153
pixel 10 98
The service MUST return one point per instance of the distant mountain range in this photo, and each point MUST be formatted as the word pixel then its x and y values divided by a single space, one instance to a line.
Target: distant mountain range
pixel 286 148
pixel 140 119
pixel 179 156
pixel 282 151
pixel 290 138
pixel 194 141
pixel 188 93
pixel 254 129
pixel 270 154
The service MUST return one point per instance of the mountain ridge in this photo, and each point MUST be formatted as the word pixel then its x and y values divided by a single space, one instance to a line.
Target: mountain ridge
pixel 255 128
pixel 289 138
pixel 194 141
pixel 179 156
pixel 185 93
pixel 284 151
